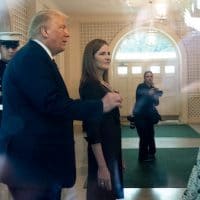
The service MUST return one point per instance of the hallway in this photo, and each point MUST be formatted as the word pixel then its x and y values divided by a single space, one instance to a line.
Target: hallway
pixel 78 191
pixel 132 193
pixel 142 36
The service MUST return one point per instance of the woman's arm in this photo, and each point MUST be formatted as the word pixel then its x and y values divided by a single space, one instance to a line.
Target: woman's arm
pixel 104 179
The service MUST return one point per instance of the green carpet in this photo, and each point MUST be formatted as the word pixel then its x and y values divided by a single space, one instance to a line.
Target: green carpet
pixel 165 131
pixel 171 169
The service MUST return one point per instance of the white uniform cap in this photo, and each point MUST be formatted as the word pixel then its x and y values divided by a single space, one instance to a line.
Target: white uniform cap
pixel 10 36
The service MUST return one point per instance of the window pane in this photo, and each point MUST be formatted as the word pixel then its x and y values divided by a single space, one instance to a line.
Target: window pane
pixel 144 45
pixel 169 69
pixel 122 70
pixel 155 69
pixel 198 4
pixel 136 70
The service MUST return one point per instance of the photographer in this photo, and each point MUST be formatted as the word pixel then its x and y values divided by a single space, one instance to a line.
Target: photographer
pixel 146 115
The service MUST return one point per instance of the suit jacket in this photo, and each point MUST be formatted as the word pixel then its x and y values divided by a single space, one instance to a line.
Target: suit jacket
pixel 37 121
pixel 145 102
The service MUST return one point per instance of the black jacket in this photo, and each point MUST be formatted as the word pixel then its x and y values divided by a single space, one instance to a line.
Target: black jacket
pixel 145 101
pixel 2 69
pixel 37 122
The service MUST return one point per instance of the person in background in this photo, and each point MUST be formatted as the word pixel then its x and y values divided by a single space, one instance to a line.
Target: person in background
pixel 146 115
pixel 105 180
pixel 37 120
pixel 9 43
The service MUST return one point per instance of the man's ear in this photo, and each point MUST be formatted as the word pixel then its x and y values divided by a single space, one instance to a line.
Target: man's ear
pixel 44 32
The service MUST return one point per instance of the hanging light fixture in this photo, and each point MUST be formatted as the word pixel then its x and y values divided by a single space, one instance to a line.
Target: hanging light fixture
pixel 160 8
pixel 161 11
pixel 130 3
pixel 151 31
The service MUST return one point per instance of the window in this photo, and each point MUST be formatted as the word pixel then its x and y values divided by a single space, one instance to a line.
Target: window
pixel 198 4
pixel 143 45
pixel 136 70
pixel 155 69
pixel 122 70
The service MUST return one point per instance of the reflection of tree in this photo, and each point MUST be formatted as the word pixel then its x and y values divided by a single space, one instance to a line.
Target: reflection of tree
pixel 193 22
pixel 136 43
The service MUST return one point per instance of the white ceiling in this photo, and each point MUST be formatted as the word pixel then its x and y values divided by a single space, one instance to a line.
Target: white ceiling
pixel 109 7
pixel 91 7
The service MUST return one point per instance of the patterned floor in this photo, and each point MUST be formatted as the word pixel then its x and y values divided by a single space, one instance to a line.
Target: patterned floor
pixel 132 193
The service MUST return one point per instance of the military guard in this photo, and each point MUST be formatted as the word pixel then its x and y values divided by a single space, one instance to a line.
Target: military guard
pixel 9 43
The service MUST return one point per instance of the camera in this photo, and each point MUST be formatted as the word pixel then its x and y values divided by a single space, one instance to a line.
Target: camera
pixel 131 119
pixel 158 92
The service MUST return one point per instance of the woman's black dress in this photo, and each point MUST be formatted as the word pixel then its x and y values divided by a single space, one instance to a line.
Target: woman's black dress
pixel 106 131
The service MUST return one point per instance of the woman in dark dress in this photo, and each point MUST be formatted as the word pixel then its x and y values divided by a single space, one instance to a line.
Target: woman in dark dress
pixel 105 181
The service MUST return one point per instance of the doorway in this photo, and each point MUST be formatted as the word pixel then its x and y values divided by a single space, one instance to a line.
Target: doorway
pixel 138 52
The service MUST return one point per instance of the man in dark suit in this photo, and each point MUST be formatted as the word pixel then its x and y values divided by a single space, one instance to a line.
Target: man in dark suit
pixel 37 122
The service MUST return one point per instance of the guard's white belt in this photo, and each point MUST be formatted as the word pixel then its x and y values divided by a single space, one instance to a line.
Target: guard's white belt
pixel 1 107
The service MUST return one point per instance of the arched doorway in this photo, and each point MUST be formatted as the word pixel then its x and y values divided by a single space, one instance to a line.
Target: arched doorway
pixel 141 50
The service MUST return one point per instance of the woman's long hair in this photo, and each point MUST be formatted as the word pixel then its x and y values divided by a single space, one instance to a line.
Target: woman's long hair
pixel 89 69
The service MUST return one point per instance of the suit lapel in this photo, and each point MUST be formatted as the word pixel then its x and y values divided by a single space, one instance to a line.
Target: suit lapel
pixel 50 63
pixel 59 77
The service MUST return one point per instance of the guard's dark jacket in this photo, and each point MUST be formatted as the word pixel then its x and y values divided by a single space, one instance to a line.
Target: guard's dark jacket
pixel 2 69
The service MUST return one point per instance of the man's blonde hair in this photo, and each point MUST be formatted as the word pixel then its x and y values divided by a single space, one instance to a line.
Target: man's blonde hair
pixel 40 19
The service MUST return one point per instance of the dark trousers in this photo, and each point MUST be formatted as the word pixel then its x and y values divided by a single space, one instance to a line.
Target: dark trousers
pixel 24 193
pixel 24 185
pixel 145 129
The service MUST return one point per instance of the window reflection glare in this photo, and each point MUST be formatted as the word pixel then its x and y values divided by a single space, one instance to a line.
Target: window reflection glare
pixel 122 70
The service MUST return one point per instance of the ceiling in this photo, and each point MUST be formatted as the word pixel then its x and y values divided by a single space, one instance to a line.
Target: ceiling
pixel 93 7
pixel 111 7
